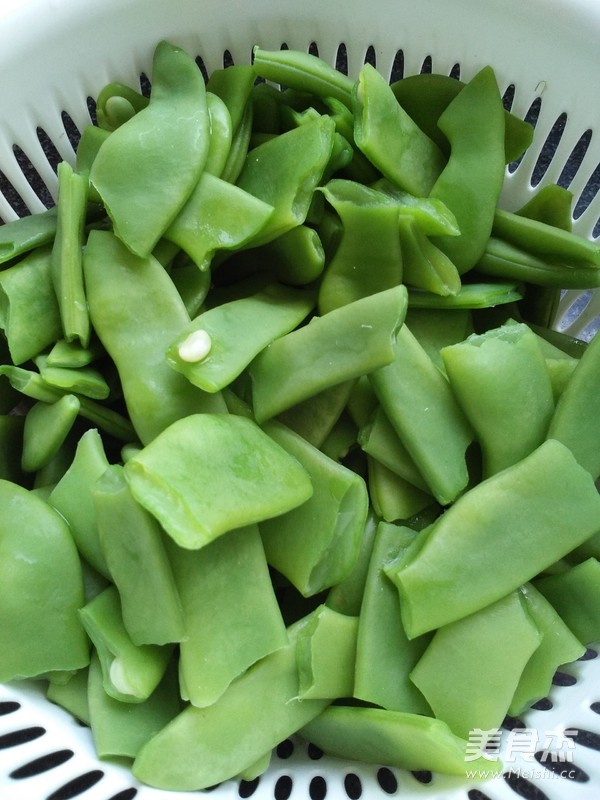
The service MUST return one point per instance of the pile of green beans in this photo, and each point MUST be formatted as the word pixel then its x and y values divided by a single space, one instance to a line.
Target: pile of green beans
pixel 287 443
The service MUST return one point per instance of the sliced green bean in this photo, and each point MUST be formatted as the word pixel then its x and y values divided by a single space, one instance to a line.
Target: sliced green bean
pixel 230 611
pixel 72 695
pixel 490 547
pixel 29 311
pixel 67 270
pixel 545 240
pixel 217 216
pixel 216 346
pixel 304 72
pixel 390 139
pixel 368 257
pixel 126 321
pixel 346 596
pixel 41 588
pixel 426 266
pixel 471 181
pixel 379 440
pixel 265 481
pixel 259 710
pixel 46 428
pixel 146 169
pixel 132 543
pixel 325 654
pixel 558 646
pixel 574 595
pixel 22 235
pixel 421 407
pixel 316 544
pixel 120 729
pixel 425 97
pixel 284 172
pixel 395 738
pixel 572 424
pixel 315 418
pixel 117 103
pixel 393 497
pixel 72 497
pixel 508 262
pixel 384 655
pixel 130 673
pixel 501 381
pixel 502 635
pixel 339 346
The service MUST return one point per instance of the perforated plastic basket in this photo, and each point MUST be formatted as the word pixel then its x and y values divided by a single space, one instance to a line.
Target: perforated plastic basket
pixel 55 55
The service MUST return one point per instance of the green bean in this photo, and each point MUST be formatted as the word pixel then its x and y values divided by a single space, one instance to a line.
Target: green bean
pixel 426 96
pixel 85 381
pixel 25 234
pixel 471 181
pixel 508 262
pixel 46 427
pixel 422 409
pixel 284 172
pixel 230 613
pixel 155 394
pixel 120 729
pixel 72 497
pixel 425 265
pixel 463 699
pixel 146 169
pixel 117 103
pixel 369 236
pixel 130 672
pixel 220 343
pixel 393 497
pixel 470 295
pixel 386 134
pixel 304 72
pixel 315 545
pixel 29 312
pixel 131 541
pixel 189 504
pixel 346 596
pixel 325 654
pixel 554 514
pixel 31 384
pixel 72 695
pixel 384 655
pixel 572 424
pixel 558 646
pixel 315 418
pixel 397 738
pixel 41 588
pixel 545 240
pixel 574 595
pixel 217 216
pixel 501 381
pixel 258 710
pixel 339 346
pixel 221 135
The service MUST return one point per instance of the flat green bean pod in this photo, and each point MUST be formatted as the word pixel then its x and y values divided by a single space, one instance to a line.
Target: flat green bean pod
pixel 146 169
pixel 338 346
pixel 188 501
pixel 554 508
pixel 41 588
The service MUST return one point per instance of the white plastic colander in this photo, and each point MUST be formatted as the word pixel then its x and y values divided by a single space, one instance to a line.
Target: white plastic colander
pixel 55 56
